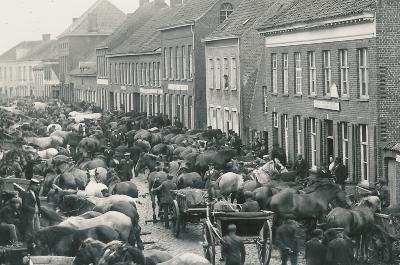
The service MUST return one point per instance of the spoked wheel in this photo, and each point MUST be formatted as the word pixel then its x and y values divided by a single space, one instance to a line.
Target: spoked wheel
pixel 208 244
pixel 264 244
pixel 175 218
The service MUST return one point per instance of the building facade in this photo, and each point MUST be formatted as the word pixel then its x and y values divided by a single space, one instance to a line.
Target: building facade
pixel 323 84
pixel 46 82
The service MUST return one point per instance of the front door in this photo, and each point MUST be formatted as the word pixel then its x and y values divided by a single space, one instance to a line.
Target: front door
pixel 391 177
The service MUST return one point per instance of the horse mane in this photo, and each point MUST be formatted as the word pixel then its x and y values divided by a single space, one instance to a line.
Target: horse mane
pixel 321 186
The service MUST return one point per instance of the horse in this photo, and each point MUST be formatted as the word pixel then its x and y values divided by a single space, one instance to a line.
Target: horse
pixel 65 241
pixel 96 162
pixel 154 180
pixel 357 222
pixel 189 180
pixel 147 160
pixel 230 184
pixel 116 186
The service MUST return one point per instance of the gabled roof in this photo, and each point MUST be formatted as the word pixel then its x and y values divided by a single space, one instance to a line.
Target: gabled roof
pixel 244 17
pixel 11 54
pixel 189 12
pixel 132 23
pixel 108 18
pixel 303 11
pixel 45 51
pixel 147 38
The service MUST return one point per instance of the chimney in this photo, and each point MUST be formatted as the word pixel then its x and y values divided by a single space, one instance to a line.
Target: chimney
pixel 45 37
pixel 175 3
pixel 74 19
pixel 143 2
pixel 92 22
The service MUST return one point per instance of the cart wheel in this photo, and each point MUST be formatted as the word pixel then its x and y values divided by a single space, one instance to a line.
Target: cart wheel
pixel 175 218
pixel 264 244
pixel 208 244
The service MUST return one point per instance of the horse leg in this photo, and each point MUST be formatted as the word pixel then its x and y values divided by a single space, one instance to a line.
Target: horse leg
pixel 153 205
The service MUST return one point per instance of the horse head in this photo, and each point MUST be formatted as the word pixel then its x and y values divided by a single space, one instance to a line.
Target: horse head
pixel 371 202
pixel 330 192
pixel 117 251
pixel 89 252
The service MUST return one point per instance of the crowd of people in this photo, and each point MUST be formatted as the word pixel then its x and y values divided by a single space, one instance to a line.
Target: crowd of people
pixel 19 216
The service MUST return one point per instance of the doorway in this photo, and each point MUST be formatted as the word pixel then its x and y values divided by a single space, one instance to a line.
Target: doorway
pixel 330 148
pixel 392 177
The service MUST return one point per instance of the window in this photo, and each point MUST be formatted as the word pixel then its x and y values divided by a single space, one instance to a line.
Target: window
pixel 226 77
pixel 190 57
pixel 218 74
pixel 225 11
pixel 177 62
pixel 326 63
pixel 344 73
pixel 178 107
pixel 274 77
pixel 146 75
pixel 141 74
pixel 275 119
pixel 24 74
pixel 151 70
pixel 285 73
pixel 298 134
pixel 313 125
pixel 285 132
pixel 211 73
pixel 345 143
pixel 265 97
pixel 364 153
pixel 363 71
pixel 233 74
pixel 313 73
pixel 171 59
pixel 158 74
pixel 298 73
pixel 184 62
pixel 165 74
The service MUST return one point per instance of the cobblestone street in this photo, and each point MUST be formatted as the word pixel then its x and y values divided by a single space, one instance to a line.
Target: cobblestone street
pixel 189 241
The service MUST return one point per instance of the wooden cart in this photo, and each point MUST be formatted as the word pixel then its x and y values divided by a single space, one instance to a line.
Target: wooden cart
pixel 253 228
pixel 51 260
pixel 182 213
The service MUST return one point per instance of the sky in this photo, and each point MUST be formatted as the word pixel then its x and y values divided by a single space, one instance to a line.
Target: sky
pixel 22 20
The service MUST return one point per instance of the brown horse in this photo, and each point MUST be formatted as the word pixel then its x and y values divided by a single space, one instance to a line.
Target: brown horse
pixel 357 222
pixel 154 180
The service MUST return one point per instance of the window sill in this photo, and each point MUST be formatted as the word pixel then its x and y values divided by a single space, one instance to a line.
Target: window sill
pixel 327 97
pixel 189 80
pixel 364 99
pixel 298 95
pixel 346 98
pixel 285 95
pixel 234 89
pixel 312 96
pixel 274 94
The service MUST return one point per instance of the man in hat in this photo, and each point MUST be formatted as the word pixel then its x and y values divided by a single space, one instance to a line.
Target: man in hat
pixel 382 191
pixel 340 173
pixel 233 250
pixel 211 175
pixel 10 221
pixel 301 167
pixel 126 167
pixel 166 196
pixel 340 250
pixel 108 153
pixel 250 204
pixel 30 209
pixel 315 250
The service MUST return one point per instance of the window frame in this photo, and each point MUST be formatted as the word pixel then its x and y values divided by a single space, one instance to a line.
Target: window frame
pixel 211 71
pixel 327 72
pixel 265 99
pixel 363 72
pixel 364 159
pixel 275 120
pixel 218 74
pixel 313 147
pixel 285 73
pixel 344 72
pixel 344 131
pixel 225 11
pixel 298 134
pixel 274 73
pixel 298 74
pixel 312 68
pixel 234 74
pixel 225 76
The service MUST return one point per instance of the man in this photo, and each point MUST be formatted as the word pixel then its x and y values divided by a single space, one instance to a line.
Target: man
pixel 108 153
pixel 250 204
pixel 10 221
pixel 301 167
pixel 286 239
pixel 340 172
pixel 340 251
pixel 30 209
pixel 315 250
pixel 29 167
pixel 236 143
pixel 382 191
pixel 233 249
pixel 166 196
pixel 126 167
pixel 211 175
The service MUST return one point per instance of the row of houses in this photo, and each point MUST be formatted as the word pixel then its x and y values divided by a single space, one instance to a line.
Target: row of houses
pixel 315 77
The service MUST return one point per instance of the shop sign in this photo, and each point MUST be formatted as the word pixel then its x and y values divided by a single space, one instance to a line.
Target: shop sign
pixel 324 104
pixel 178 87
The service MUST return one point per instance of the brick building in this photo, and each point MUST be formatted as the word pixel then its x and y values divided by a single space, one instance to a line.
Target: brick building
pixel 82 37
pixel 83 79
pixel 233 53
pixel 46 81
pixel 130 74
pixel 16 66
pixel 183 57
pixel 330 80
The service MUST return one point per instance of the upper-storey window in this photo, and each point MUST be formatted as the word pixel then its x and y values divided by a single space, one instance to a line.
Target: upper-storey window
pixel 363 71
pixel 298 72
pixel 326 61
pixel 274 73
pixel 225 11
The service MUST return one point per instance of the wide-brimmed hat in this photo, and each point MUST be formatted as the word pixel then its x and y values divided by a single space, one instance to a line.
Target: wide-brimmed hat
pixel 35 182
pixel 127 154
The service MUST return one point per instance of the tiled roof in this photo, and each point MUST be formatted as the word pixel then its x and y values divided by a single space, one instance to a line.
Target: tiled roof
pixel 147 38
pixel 244 17
pixel 132 23
pixel 109 17
pixel 393 147
pixel 301 11
pixel 190 11
pixel 11 54
pixel 45 51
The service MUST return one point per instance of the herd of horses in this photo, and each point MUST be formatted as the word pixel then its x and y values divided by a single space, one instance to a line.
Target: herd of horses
pixel 80 220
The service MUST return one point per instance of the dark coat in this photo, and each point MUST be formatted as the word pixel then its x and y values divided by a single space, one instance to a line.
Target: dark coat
pixel 126 167
pixel 339 252
pixel 29 201
pixel 9 215
pixel 315 252
pixel 286 237
pixel 165 191
pixel 233 250
pixel 340 173
pixel 301 168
